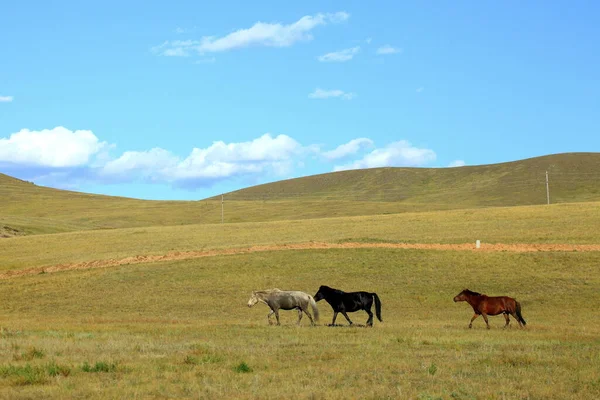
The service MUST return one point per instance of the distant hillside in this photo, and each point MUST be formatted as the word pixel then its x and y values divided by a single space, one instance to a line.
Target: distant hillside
pixel 574 177
pixel 31 209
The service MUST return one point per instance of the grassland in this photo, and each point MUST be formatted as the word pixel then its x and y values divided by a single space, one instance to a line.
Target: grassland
pixel 572 176
pixel 563 223
pixel 29 209
pixel 182 329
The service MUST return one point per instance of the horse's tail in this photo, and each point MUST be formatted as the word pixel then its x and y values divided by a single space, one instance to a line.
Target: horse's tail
pixel 313 305
pixel 377 306
pixel 518 311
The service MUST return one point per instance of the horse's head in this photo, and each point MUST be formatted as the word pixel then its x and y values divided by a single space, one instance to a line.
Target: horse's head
pixel 320 295
pixel 462 296
pixel 253 299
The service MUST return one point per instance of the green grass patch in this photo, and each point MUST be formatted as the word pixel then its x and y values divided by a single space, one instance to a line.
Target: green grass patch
pixel 242 368
pixel 99 366
pixel 54 370
pixel 30 354
pixel 24 375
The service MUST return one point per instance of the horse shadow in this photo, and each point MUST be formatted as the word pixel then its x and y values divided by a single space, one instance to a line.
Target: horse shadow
pixel 348 326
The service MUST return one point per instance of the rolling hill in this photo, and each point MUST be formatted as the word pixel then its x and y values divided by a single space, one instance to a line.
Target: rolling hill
pixel 574 177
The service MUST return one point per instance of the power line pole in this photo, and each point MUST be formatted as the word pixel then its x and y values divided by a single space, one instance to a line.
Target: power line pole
pixel 222 208
pixel 547 189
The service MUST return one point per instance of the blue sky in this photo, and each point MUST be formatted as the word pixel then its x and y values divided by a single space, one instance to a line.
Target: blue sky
pixel 185 99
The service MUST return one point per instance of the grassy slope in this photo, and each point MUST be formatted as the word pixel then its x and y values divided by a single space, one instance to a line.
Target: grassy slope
pixel 573 177
pixel 30 209
pixel 561 223
pixel 179 329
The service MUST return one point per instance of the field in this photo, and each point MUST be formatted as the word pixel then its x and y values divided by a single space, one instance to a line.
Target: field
pixel 182 329
pixel 156 307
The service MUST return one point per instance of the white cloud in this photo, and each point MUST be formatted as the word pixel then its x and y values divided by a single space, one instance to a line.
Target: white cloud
pixel 344 150
pixel 179 30
pixel 368 40
pixel 325 94
pixel 57 148
pixel 175 48
pixel 387 49
pixel 176 52
pixel 396 154
pixel 62 157
pixel 340 56
pixel 265 154
pixel 148 164
pixel 6 99
pixel 259 34
pixel 420 89
pixel 457 163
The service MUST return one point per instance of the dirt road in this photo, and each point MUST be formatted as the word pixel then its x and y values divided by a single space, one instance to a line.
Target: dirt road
pixel 185 255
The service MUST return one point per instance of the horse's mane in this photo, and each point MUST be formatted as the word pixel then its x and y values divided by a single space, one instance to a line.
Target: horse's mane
pixel 330 289
pixel 472 293
pixel 267 291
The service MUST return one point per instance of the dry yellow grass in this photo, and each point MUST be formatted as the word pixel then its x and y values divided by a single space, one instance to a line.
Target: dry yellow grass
pixel 563 223
pixel 182 329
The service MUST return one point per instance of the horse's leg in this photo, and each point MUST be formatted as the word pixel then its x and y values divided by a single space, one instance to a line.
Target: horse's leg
pixel 335 313
pixel 305 309
pixel 507 320
pixel 473 319
pixel 269 317
pixel 484 315
pixel 312 321
pixel 299 315
pixel 277 316
pixel 347 318
pixel 514 314
pixel 370 320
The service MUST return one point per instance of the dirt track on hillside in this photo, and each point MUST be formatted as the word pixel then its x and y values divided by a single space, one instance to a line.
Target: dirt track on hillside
pixel 185 255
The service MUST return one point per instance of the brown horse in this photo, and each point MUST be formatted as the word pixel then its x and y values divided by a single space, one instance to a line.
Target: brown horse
pixel 484 306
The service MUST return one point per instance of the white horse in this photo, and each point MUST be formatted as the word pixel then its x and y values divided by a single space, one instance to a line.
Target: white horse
pixel 285 300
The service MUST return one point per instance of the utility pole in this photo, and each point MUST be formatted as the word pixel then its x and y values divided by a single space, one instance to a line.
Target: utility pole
pixel 222 208
pixel 547 189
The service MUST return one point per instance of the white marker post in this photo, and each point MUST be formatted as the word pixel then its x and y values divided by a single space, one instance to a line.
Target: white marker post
pixel 477 244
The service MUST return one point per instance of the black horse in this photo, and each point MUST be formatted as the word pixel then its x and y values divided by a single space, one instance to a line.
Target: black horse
pixel 343 302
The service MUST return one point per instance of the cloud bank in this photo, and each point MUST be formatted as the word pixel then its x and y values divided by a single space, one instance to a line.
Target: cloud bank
pixel 63 158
